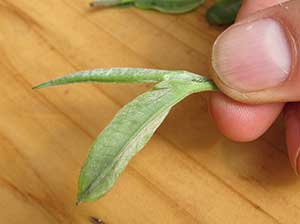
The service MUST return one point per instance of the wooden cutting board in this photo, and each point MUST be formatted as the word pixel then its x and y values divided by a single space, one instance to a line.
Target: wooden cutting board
pixel 188 173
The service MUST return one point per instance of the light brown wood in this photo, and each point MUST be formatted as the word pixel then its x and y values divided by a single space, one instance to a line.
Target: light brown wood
pixel 188 173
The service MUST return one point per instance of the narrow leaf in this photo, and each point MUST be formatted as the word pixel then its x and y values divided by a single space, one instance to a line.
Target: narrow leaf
pixel 165 6
pixel 123 75
pixel 129 131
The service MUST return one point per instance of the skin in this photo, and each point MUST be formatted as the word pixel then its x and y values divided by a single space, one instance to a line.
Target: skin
pixel 262 107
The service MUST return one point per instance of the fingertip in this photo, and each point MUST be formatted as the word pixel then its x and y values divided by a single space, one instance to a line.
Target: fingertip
pixel 241 122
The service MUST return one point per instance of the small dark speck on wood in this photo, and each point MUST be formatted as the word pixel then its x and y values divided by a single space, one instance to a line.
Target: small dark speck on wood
pixel 95 220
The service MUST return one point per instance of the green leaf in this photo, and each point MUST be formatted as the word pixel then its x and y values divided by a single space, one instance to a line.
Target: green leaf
pixel 165 6
pixel 223 12
pixel 123 75
pixel 129 131
pixel 169 6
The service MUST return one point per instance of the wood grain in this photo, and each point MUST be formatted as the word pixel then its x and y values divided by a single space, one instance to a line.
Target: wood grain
pixel 188 173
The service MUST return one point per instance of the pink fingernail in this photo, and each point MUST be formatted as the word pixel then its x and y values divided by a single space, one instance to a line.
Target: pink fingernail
pixel 253 56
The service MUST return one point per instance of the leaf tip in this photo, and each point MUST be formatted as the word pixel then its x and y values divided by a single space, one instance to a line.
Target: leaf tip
pixel 79 200
pixel 42 85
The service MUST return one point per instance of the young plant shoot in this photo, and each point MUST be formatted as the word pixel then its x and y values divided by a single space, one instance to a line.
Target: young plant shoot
pixel 223 12
pixel 133 125
pixel 166 6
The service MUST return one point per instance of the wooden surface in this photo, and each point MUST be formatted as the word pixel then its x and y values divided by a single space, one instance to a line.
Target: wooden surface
pixel 188 173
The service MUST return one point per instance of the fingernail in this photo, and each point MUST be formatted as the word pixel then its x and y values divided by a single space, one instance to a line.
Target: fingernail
pixel 292 121
pixel 253 56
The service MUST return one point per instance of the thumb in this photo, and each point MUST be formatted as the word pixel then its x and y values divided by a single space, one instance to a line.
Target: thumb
pixel 257 59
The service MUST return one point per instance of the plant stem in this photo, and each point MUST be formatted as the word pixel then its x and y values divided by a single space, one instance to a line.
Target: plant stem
pixel 104 3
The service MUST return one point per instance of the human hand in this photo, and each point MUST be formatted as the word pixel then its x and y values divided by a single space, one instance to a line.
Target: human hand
pixel 256 61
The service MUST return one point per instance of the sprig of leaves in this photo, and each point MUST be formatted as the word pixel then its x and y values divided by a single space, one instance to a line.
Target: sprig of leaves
pixel 223 12
pixel 133 125
pixel 165 6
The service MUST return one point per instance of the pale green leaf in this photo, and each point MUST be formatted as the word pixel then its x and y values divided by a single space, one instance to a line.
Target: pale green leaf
pixel 129 131
pixel 123 75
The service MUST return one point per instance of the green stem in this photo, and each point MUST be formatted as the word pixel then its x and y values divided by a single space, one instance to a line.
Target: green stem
pixel 105 3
